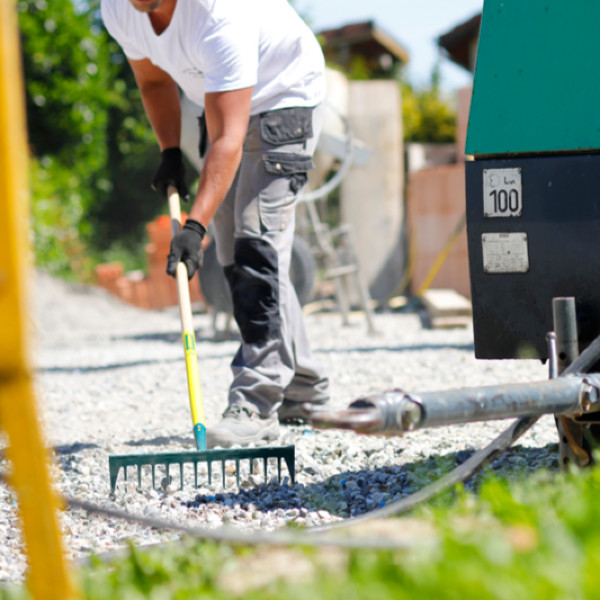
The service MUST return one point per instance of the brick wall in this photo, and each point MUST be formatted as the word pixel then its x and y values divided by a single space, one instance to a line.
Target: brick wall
pixel 152 289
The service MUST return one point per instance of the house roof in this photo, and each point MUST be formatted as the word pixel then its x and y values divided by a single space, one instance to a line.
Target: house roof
pixel 364 39
pixel 459 41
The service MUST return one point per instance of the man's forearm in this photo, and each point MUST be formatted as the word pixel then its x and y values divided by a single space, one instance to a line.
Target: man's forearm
pixel 218 173
pixel 162 106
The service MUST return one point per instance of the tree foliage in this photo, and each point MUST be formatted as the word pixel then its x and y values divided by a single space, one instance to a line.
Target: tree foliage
pixel 67 79
pixel 84 121
pixel 428 116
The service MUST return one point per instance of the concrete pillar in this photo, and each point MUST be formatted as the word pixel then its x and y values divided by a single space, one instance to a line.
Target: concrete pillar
pixel 372 196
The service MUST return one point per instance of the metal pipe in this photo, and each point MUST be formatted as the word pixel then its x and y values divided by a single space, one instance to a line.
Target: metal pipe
pixel 396 412
pixel 570 434
pixel 552 355
pixel 565 325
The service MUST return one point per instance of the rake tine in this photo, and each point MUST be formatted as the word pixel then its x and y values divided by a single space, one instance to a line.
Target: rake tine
pixel 156 464
pixel 291 467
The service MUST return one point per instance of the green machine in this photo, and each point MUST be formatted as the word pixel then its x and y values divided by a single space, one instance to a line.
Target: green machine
pixel 533 229
pixel 533 174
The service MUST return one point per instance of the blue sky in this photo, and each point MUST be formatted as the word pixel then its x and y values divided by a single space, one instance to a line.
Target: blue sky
pixel 416 24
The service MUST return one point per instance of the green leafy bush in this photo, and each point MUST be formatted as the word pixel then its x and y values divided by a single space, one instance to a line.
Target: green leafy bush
pixel 58 208
pixel 428 115
pixel 92 147
pixel 534 539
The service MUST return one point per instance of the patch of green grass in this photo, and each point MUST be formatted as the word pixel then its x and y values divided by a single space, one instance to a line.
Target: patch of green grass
pixel 536 538
pixel 185 570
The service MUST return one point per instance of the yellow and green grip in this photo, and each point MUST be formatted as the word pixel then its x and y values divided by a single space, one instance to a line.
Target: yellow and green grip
pixel 195 392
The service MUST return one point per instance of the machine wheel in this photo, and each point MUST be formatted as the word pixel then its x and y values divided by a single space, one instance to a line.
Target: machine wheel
pixel 215 288
pixel 303 270
pixel 213 283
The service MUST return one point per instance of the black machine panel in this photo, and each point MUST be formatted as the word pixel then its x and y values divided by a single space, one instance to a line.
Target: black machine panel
pixel 533 228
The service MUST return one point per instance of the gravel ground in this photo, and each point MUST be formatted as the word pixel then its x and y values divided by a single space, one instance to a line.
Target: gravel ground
pixel 110 379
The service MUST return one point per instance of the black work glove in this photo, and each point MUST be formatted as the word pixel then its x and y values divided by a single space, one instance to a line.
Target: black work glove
pixel 186 247
pixel 171 171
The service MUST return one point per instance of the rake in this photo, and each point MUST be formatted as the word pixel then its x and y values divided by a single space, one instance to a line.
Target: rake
pixel 201 455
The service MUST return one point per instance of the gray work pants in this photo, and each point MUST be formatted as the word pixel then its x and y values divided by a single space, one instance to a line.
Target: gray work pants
pixel 254 230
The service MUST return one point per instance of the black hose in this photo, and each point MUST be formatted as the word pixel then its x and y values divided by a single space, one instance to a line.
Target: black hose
pixel 314 537
pixel 582 364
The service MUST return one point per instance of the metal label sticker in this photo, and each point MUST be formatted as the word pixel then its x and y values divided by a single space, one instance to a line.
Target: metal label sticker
pixel 502 193
pixel 505 253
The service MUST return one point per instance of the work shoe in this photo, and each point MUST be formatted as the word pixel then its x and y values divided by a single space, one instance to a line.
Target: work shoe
pixel 240 427
pixel 290 412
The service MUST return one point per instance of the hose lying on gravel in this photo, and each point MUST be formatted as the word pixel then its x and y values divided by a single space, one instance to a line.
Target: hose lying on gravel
pixel 321 536
pixel 311 538
pixel 314 536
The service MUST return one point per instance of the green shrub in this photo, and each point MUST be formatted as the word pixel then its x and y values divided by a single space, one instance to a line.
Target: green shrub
pixel 59 198
pixel 535 539
pixel 91 145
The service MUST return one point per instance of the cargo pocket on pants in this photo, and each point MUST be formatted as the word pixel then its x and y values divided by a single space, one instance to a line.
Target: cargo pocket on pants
pixel 286 125
pixel 276 202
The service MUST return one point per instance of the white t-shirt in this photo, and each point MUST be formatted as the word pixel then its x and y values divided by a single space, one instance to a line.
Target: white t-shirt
pixel 222 45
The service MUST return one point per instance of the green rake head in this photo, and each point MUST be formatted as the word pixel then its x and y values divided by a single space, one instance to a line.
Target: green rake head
pixel 198 457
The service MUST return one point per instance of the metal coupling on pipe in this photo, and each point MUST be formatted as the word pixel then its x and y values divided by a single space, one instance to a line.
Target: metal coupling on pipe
pixel 399 411
pixel 411 413
pixel 393 412
pixel 589 394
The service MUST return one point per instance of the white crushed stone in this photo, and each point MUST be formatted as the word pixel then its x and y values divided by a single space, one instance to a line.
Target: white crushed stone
pixel 110 378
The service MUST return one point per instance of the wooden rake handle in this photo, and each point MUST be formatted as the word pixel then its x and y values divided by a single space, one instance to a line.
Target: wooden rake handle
pixel 187 330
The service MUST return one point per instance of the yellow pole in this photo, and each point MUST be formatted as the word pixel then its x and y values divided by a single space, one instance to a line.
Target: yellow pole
pixel 48 576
